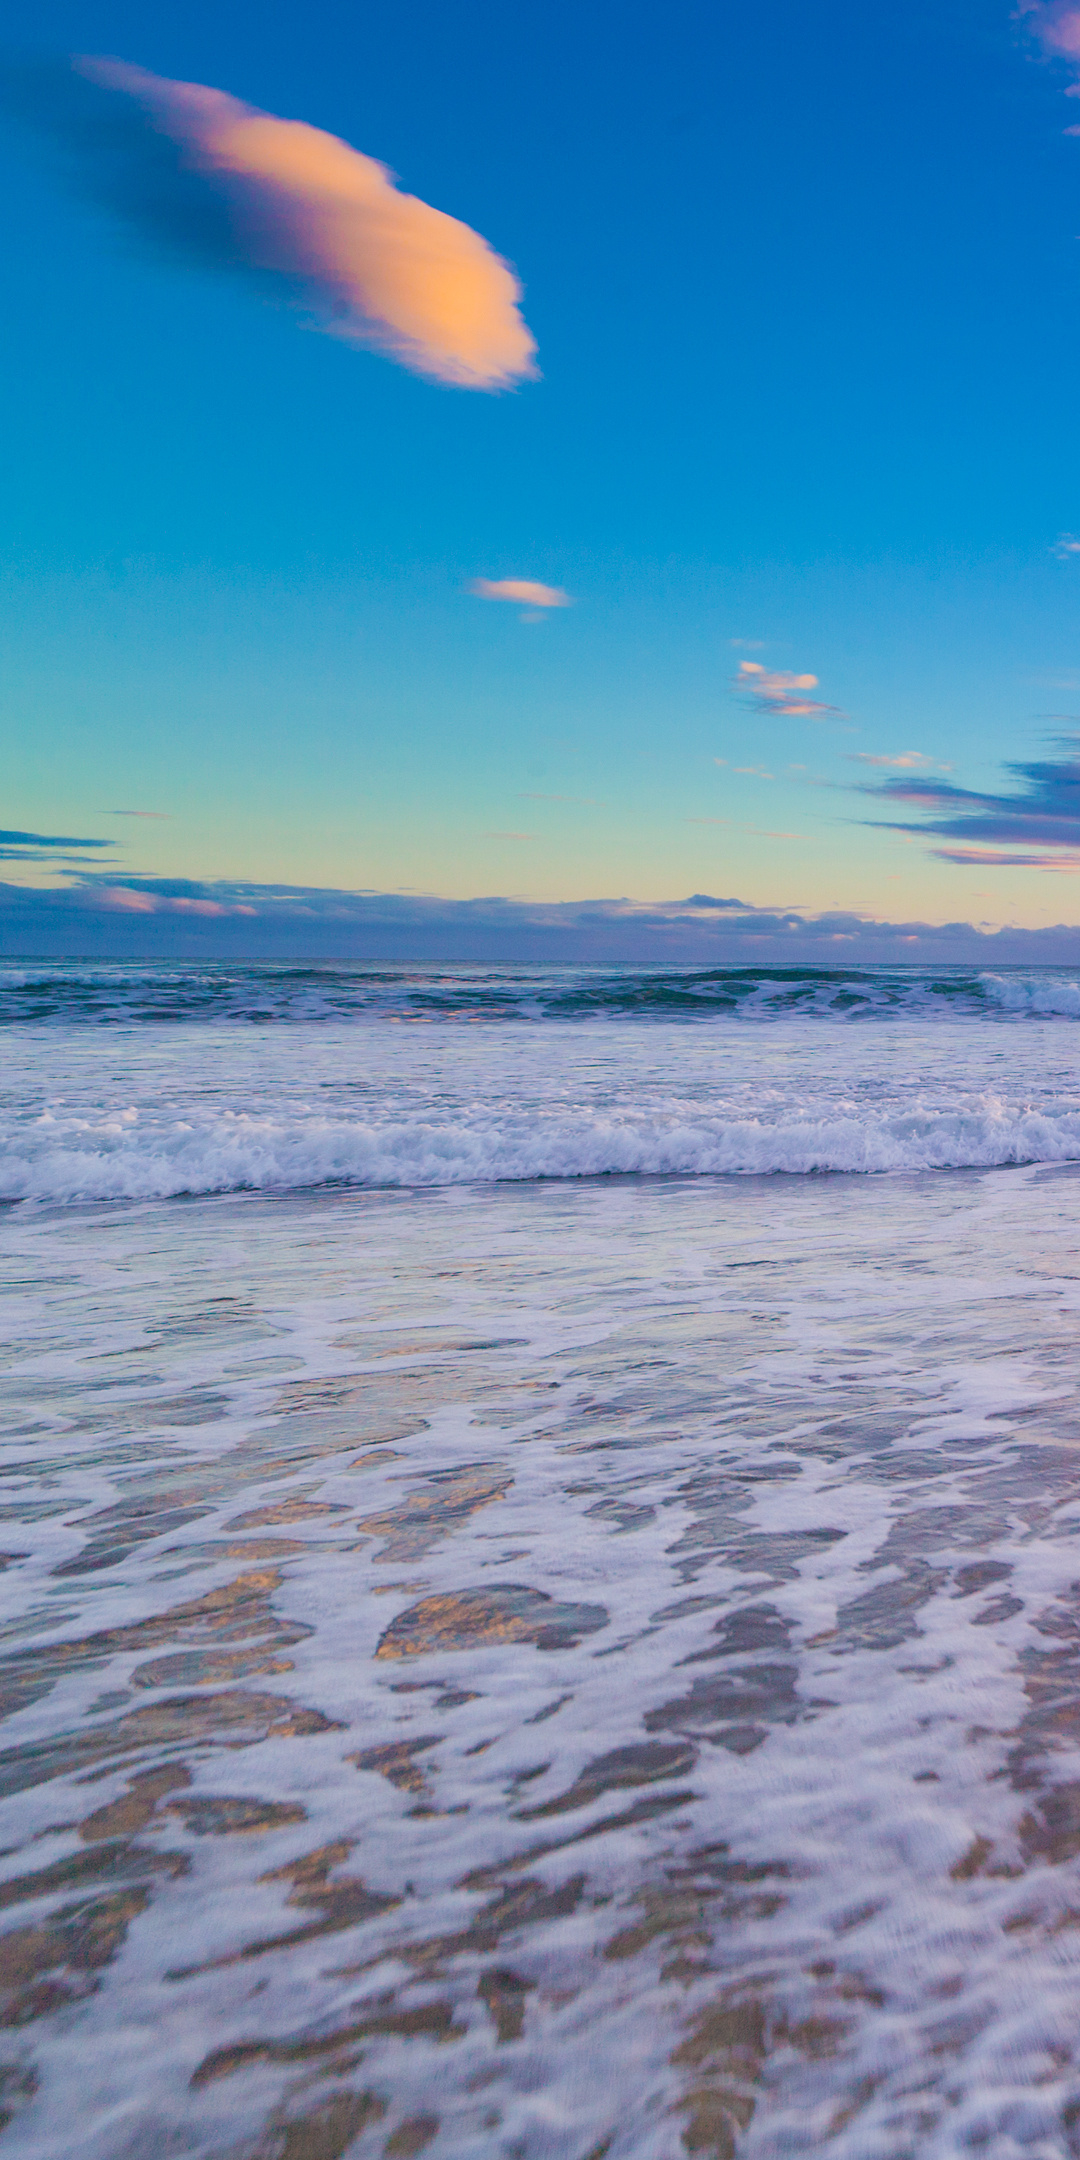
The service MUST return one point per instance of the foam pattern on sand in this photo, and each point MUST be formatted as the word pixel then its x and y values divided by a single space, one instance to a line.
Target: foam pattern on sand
pixel 519 1673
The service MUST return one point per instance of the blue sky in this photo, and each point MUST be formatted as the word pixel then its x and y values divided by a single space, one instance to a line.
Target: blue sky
pixel 805 290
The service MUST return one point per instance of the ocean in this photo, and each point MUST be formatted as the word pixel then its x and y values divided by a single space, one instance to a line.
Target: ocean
pixel 540 1595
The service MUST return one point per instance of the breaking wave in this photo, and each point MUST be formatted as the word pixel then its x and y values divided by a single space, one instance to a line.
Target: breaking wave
pixel 113 994
pixel 133 1158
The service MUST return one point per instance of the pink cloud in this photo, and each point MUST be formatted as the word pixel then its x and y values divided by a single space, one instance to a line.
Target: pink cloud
pixel 132 900
pixel 128 902
pixel 779 692
pixel 1056 24
pixel 1000 859
pixel 525 591
pixel 383 268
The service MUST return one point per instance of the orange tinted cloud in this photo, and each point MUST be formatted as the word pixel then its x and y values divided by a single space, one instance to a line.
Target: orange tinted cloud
pixel 779 692
pixel 525 591
pixel 383 269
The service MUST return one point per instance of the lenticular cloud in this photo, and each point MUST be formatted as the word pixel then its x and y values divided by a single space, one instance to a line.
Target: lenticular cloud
pixel 383 269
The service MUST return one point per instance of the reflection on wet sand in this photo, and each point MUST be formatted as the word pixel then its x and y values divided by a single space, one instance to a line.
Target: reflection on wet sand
pixel 473 1618
pixel 706 1781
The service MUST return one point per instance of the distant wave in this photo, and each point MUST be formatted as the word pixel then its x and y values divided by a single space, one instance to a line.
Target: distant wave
pixel 128 996
pixel 129 1158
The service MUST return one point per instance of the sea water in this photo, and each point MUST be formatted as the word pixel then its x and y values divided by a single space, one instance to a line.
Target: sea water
pixel 540 1528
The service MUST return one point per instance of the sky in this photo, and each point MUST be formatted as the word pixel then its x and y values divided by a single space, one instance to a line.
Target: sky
pixel 564 463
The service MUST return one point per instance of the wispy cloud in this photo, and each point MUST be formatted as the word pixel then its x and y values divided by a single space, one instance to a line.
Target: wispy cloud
pixel 301 211
pixel 163 816
pixel 1065 545
pixel 908 760
pixel 50 840
pixel 58 849
pixel 1002 859
pixel 1040 817
pixel 779 692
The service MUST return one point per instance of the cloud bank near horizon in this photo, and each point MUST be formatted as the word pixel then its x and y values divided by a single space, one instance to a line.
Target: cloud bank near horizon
pixel 205 175
pixel 145 918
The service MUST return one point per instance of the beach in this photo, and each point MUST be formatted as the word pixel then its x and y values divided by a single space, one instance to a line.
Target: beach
pixel 540 1529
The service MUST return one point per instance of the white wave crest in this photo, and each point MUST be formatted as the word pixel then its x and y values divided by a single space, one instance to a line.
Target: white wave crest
pixel 1045 996
pixel 126 1157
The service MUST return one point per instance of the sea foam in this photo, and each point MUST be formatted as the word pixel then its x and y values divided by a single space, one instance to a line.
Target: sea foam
pixel 129 1158
pixel 259 995
pixel 140 1084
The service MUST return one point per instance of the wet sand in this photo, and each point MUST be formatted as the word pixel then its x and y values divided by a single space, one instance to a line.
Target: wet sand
pixel 546 1671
